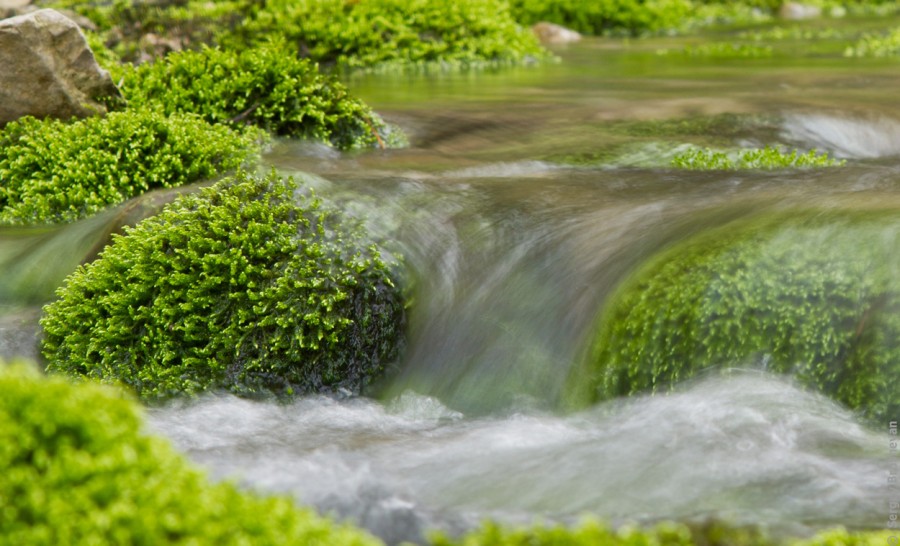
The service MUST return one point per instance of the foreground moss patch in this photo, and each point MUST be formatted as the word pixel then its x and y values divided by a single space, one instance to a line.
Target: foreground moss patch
pixel 244 286
pixel 811 294
pixel 55 171
pixel 76 468
pixel 268 87
pixel 591 533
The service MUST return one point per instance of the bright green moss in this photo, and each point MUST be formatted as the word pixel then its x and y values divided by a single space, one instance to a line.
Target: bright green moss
pixel 57 171
pixel 266 86
pixel 408 33
pixel 872 45
pixel 605 16
pixel 761 158
pixel 76 468
pixel 244 286
pixel 809 294
pixel 590 533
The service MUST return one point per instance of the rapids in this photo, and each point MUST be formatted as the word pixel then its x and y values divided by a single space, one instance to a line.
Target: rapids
pixel 526 196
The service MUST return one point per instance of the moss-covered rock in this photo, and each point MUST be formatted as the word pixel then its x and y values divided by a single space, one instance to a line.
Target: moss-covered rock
pixel 76 468
pixel 811 294
pixel 244 286
pixel 368 33
pixel 266 86
pixel 768 157
pixel 56 171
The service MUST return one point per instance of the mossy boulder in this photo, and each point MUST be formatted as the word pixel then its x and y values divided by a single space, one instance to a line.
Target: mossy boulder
pixel 812 294
pixel 246 286
pixel 606 16
pixel 54 171
pixel 266 86
pixel 77 468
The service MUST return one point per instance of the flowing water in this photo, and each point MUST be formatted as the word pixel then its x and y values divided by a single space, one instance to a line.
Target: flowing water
pixel 526 196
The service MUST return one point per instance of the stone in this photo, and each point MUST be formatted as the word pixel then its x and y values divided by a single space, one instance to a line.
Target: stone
pixel 553 34
pixel 795 11
pixel 49 70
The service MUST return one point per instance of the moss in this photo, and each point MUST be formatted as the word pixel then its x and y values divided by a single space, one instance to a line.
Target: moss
pixel 267 86
pixel 810 294
pixel 876 45
pixel 56 171
pixel 761 158
pixel 77 469
pixel 728 50
pixel 408 33
pixel 243 286
pixel 591 533
pixel 605 16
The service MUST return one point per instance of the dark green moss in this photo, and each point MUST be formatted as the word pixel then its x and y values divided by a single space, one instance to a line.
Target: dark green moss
pixel 267 86
pixel 244 286
pixel 605 16
pixel 813 295
pixel 56 171
pixel 78 469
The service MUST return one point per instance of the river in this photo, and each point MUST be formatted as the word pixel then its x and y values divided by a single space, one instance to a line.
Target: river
pixel 526 196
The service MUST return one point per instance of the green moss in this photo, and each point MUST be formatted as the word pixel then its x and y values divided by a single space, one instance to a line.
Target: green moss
pixel 728 50
pixel 809 294
pixel 244 286
pixel 761 158
pixel 605 16
pixel 876 45
pixel 408 33
pixel 76 468
pixel 266 86
pixel 56 171
pixel 590 533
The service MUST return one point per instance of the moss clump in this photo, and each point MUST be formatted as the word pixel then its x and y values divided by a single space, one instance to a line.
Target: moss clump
pixel 813 295
pixel 409 33
pixel 590 533
pixel 605 16
pixel 874 45
pixel 243 286
pixel 56 171
pixel 728 50
pixel 75 468
pixel 267 86
pixel 763 158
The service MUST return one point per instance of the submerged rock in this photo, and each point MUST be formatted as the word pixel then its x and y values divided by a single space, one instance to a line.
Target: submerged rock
pixel 49 69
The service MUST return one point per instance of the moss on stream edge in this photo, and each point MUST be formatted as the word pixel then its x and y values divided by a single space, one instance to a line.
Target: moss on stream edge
pixel 812 294
pixel 245 286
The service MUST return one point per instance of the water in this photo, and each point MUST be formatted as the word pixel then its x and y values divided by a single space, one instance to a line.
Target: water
pixel 527 196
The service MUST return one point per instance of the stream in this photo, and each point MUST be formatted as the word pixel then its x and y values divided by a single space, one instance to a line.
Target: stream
pixel 527 195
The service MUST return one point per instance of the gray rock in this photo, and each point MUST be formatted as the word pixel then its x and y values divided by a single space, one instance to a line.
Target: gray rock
pixel 553 34
pixel 795 11
pixel 49 69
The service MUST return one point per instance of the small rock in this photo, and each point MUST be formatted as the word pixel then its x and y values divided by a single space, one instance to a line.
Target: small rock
pixel 795 11
pixel 553 34
pixel 49 69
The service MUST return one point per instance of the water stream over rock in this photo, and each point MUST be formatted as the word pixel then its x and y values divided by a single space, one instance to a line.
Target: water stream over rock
pixel 526 197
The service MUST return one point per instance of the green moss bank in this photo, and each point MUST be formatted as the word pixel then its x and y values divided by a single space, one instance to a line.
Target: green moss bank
pixel 811 294
pixel 407 33
pixel 244 286
pixel 76 468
